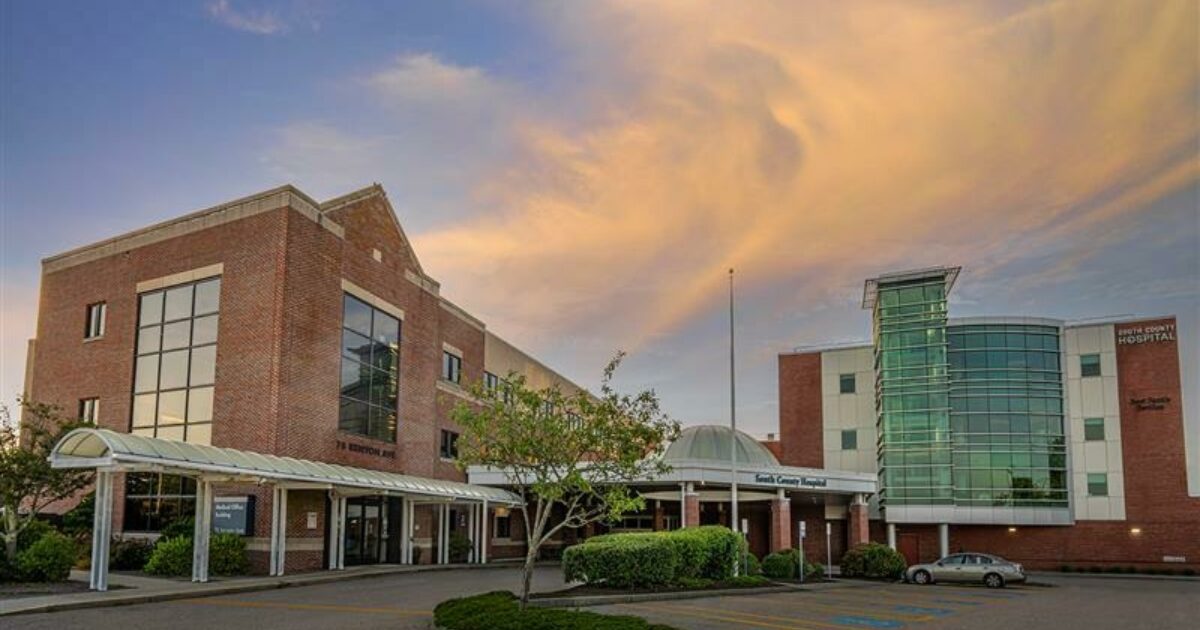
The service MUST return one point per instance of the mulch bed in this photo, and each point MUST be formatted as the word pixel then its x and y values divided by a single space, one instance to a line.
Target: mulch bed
pixel 14 590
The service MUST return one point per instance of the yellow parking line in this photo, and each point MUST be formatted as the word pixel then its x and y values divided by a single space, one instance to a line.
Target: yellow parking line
pixel 330 607
pixel 738 616
pixel 917 595
pixel 849 610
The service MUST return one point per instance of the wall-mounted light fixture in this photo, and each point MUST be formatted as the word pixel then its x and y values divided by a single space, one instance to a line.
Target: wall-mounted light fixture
pixel 1136 531
pixel 1012 530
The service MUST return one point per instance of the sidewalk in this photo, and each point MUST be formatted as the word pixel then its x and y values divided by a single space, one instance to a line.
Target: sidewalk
pixel 139 589
pixel 1114 576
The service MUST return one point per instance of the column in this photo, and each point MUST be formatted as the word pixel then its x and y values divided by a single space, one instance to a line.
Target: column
pixel 471 531
pixel 683 522
pixel 691 506
pixel 279 533
pixel 101 531
pixel 891 535
pixel 659 516
pixel 781 521
pixel 341 531
pixel 202 530
pixel 486 527
pixel 407 539
pixel 858 518
pixel 943 540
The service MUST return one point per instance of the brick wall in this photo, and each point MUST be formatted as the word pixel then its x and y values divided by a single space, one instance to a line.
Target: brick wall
pixel 801 427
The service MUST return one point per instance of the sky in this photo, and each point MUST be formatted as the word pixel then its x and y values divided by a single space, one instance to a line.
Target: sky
pixel 582 175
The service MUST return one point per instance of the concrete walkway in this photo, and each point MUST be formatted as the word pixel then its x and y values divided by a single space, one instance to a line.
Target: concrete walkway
pixel 129 589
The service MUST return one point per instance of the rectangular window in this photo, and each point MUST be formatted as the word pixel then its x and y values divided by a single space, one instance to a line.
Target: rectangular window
pixel 1097 484
pixel 370 370
pixel 451 367
pixel 503 527
pixel 153 501
pixel 89 409
pixel 846 381
pixel 1089 365
pixel 95 320
pixel 449 447
pixel 176 361
pixel 1093 429
pixel 849 440
pixel 490 381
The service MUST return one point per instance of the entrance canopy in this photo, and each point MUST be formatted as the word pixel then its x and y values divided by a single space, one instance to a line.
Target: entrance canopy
pixel 118 452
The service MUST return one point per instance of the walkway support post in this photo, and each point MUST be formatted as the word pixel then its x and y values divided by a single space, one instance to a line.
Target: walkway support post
pixel 273 551
pixel 198 532
pixel 341 537
pixel 101 531
pixel 280 555
pixel 943 540
pixel 486 533
pixel 471 531
pixel 337 521
pixel 891 535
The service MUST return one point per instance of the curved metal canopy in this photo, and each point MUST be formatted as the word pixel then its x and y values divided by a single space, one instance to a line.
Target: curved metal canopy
pixel 95 448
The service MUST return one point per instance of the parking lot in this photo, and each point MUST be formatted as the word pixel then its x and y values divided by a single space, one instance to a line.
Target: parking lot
pixel 1061 603
pixel 407 600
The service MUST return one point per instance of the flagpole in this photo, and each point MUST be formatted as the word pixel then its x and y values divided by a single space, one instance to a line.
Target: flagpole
pixel 732 417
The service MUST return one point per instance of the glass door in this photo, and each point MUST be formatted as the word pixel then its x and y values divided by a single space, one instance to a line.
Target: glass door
pixel 364 523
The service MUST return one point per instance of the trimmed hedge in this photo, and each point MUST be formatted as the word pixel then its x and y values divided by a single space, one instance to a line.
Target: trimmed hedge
pixel 499 611
pixel 783 565
pixel 173 556
pixel 873 560
pixel 49 559
pixel 654 558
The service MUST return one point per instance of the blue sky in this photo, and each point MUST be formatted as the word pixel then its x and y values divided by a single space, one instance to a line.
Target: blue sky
pixel 580 175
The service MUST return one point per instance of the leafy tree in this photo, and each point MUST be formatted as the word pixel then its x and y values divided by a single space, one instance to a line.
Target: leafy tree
pixel 27 482
pixel 571 454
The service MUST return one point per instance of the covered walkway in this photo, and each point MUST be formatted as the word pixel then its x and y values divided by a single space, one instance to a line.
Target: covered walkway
pixel 110 452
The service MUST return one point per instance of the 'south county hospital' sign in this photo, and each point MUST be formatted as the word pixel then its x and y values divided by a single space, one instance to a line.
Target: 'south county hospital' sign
pixel 1132 335
pixel 784 480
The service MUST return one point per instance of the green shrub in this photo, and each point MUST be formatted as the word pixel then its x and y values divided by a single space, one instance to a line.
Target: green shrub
pixel 227 555
pixel 171 557
pixel 1189 572
pixel 77 523
pixel 8 570
pixel 745 581
pixel 1066 568
pixel 49 559
pixel 622 562
pixel 753 566
pixel 499 611
pixel 873 560
pixel 693 584
pixel 782 565
pixel 130 554
pixel 654 558
pixel 182 528
pixel 460 546
pixel 32 533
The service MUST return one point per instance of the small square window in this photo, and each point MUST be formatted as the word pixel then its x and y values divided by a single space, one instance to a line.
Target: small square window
pixel 849 440
pixel 1097 484
pixel 1093 429
pixel 847 384
pixel 89 409
pixel 503 526
pixel 95 320
pixel 1089 365
pixel 451 367
pixel 449 446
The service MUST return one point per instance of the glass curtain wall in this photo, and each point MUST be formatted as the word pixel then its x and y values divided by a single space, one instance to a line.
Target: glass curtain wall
pixel 1006 400
pixel 912 392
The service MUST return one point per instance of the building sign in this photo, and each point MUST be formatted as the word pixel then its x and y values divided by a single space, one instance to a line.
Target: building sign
pixel 1145 334
pixel 1150 403
pixel 233 515
pixel 355 447
pixel 784 480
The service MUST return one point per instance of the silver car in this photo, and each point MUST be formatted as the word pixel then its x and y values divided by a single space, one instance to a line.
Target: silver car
pixel 978 568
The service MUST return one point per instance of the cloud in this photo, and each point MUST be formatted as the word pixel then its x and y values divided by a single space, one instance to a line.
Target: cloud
pixel 819 146
pixel 257 22
pixel 423 77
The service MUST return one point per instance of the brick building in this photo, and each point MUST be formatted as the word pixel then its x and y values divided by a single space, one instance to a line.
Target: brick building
pixel 1046 442
pixel 277 325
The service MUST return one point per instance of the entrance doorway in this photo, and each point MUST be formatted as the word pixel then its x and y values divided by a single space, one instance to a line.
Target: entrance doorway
pixel 364 527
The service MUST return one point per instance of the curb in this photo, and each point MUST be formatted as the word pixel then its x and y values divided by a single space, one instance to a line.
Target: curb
pixel 1118 576
pixel 134 598
pixel 630 598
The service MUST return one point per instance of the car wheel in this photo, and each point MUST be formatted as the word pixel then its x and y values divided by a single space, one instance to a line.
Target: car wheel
pixel 921 577
pixel 993 580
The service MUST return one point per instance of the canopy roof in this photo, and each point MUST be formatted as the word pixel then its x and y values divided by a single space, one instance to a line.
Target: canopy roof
pixel 102 448
pixel 711 443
